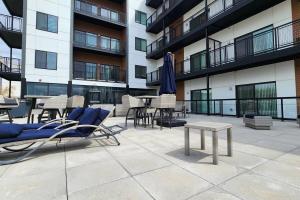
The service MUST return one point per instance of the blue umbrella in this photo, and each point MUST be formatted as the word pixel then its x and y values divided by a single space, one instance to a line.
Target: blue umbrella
pixel 168 84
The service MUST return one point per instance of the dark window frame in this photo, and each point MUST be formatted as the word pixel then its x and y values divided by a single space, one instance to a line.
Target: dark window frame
pixel 139 76
pixel 138 17
pixel 138 44
pixel 46 62
pixel 47 30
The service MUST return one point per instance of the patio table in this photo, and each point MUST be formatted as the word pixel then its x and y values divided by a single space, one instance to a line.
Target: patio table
pixel 214 127
pixel 33 99
pixel 148 99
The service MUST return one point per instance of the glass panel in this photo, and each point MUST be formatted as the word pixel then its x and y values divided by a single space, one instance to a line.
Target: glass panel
pixel 80 37
pixel 143 45
pixel 57 89
pixel 115 44
pixel 105 42
pixel 91 40
pixel 77 4
pixel 52 23
pixel 114 16
pixel 51 60
pixel 41 21
pixel 266 106
pixel 143 18
pixel 263 40
pixel 37 89
pixel 40 59
pixel 79 70
pixel 91 70
pixel 105 13
pixel 94 10
pixel 244 46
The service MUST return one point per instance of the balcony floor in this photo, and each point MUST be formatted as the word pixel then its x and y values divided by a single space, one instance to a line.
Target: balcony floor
pixel 150 164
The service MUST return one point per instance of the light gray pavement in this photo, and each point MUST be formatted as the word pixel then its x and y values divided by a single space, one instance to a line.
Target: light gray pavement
pixel 150 164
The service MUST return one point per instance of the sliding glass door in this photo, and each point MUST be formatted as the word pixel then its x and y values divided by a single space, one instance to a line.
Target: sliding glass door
pixel 199 101
pixel 254 99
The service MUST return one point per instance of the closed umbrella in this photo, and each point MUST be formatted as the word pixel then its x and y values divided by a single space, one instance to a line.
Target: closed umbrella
pixel 168 84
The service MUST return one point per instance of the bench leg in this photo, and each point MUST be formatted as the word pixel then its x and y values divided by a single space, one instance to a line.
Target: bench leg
pixel 215 147
pixel 229 142
pixel 187 141
pixel 202 140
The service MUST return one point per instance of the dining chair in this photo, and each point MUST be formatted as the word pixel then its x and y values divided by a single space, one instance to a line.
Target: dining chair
pixel 132 104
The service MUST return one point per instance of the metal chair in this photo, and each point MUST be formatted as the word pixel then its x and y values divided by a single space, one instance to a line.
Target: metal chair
pixel 6 104
pixel 133 104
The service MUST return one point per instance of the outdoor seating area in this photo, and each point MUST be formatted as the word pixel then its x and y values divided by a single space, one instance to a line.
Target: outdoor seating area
pixel 149 162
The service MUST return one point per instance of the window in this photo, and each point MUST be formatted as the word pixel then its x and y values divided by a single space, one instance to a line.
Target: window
pixel 140 17
pixel 91 39
pixel 199 101
pixel 198 61
pixel 91 70
pixel 105 42
pixel 46 89
pixel 45 60
pixel 140 44
pixel 140 72
pixel 46 22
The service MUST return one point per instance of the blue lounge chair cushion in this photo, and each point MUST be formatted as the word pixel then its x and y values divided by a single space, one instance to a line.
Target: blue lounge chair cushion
pixel 10 130
pixel 41 134
pixel 102 114
pixel 88 117
pixel 75 114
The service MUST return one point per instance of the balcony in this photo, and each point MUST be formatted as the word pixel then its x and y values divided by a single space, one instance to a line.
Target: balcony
pixel 11 30
pixel 94 43
pixel 252 50
pixel 15 7
pixel 220 15
pixel 98 72
pixel 154 3
pixel 13 73
pixel 99 15
pixel 168 12
pixel 153 78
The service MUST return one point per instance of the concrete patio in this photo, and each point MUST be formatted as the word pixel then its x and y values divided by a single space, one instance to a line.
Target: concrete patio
pixel 150 164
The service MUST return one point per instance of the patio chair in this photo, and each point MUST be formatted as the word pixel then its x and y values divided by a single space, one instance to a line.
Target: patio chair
pixel 180 108
pixel 54 105
pixel 90 126
pixel 6 104
pixel 74 102
pixel 258 122
pixel 165 103
pixel 133 104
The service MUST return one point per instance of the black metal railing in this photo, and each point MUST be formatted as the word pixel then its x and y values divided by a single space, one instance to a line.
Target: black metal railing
pixel 154 76
pixel 5 65
pixel 167 5
pixel 284 108
pixel 271 40
pixel 98 42
pixel 193 23
pixel 11 23
pixel 103 13
pixel 98 72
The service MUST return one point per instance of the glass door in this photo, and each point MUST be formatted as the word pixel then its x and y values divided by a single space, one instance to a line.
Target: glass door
pixel 199 101
pixel 263 40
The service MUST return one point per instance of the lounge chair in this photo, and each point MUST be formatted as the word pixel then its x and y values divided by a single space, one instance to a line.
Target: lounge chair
pixel 90 126
pixel 258 122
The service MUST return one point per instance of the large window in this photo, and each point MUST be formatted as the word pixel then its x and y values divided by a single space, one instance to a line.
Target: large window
pixel 255 99
pixel 46 22
pixel 140 44
pixel 46 89
pixel 45 60
pixel 140 72
pixel 140 17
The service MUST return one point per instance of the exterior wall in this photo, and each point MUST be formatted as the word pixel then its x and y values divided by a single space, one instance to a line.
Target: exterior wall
pixel 138 30
pixel 55 42
pixel 223 85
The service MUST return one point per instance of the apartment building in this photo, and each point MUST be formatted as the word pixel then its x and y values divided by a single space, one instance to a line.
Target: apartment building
pixel 95 48
pixel 228 53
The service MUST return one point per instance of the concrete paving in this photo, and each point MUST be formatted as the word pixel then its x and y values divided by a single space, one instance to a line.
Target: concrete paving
pixel 150 164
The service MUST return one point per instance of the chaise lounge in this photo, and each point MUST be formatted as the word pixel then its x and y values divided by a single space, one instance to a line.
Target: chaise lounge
pixel 258 122
pixel 90 126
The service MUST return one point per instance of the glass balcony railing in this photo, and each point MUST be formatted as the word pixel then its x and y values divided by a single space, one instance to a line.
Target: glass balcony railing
pixel 100 12
pixel 262 41
pixel 98 42
pixel 11 23
pixel 5 65
pixel 177 31
pixel 98 72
